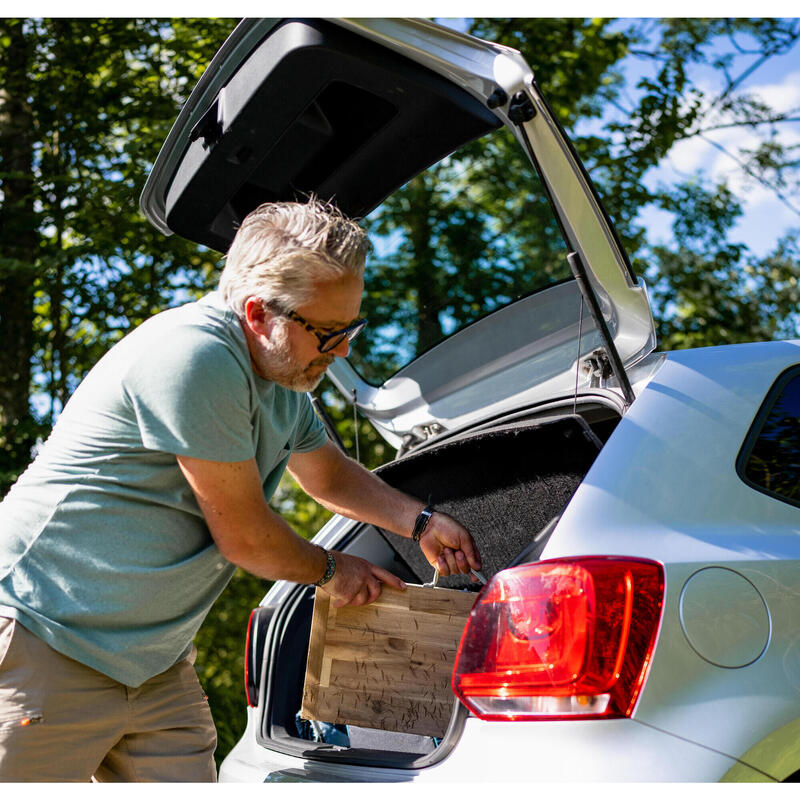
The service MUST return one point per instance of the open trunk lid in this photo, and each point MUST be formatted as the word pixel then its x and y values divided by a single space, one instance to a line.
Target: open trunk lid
pixel 351 110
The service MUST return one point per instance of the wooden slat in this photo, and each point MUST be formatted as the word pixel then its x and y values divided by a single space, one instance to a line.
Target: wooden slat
pixel 386 665
pixel 423 717
pixel 316 643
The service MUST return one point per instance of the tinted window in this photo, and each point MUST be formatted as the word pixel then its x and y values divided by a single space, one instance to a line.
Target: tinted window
pixel 771 457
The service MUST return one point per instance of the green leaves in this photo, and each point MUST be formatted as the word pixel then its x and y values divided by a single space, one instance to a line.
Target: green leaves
pixel 710 290
pixel 86 105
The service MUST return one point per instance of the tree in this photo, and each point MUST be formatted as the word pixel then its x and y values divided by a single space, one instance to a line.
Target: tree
pixel 714 291
pixel 84 108
pixel 707 289
pixel 17 428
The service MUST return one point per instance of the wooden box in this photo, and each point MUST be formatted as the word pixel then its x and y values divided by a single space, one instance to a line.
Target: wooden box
pixel 386 665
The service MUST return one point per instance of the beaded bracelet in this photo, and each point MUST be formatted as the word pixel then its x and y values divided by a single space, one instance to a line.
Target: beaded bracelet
pixel 330 568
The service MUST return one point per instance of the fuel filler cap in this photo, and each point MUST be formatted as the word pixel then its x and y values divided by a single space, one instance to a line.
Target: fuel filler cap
pixel 724 617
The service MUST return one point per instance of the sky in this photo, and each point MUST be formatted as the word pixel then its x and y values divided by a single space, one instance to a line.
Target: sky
pixel 765 216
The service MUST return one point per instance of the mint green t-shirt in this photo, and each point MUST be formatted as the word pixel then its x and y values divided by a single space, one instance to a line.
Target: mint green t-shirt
pixel 104 552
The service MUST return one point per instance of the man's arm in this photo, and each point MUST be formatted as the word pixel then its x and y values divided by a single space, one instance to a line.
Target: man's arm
pixel 344 486
pixel 252 536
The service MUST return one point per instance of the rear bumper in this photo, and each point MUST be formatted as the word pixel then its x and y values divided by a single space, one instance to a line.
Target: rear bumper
pixel 592 750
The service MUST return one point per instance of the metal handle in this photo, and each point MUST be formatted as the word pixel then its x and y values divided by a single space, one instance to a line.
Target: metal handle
pixel 432 583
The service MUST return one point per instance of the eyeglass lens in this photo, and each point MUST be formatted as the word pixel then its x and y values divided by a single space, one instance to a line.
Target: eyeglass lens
pixel 336 340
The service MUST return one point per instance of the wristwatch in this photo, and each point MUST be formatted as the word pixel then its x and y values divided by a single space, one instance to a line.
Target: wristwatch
pixel 423 518
pixel 330 568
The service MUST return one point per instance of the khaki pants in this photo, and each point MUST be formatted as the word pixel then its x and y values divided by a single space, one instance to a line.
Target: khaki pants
pixel 63 721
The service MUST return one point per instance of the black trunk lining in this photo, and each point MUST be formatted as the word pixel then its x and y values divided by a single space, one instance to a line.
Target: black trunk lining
pixel 504 487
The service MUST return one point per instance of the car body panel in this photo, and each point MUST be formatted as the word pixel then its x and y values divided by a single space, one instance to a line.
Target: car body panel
pixel 512 358
pixel 687 427
pixel 574 751
pixel 709 396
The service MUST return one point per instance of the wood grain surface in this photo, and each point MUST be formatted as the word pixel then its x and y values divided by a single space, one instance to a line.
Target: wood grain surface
pixel 388 664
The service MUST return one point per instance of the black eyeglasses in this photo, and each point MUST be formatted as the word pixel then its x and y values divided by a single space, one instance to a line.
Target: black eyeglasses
pixel 328 340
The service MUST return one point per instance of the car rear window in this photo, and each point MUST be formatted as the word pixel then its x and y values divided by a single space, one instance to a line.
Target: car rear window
pixel 770 457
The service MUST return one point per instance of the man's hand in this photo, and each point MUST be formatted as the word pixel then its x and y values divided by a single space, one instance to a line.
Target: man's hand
pixel 449 547
pixel 357 582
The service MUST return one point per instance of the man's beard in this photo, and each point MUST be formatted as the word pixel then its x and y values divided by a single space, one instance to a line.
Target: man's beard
pixel 279 366
pixel 303 380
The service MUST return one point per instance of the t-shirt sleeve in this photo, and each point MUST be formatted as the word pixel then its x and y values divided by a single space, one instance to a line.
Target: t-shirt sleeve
pixel 310 433
pixel 191 397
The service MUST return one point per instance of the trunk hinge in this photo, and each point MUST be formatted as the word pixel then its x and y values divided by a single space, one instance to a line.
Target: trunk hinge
pixel 521 108
pixel 419 434
pixel 211 126
pixel 614 363
pixel 597 366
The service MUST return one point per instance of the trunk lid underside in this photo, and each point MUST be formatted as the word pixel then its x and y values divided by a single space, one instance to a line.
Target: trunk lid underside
pixel 351 110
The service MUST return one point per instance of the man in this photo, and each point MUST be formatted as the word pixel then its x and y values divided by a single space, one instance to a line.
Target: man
pixel 154 485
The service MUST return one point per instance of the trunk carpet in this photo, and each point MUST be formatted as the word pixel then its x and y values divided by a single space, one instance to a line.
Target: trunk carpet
pixel 503 486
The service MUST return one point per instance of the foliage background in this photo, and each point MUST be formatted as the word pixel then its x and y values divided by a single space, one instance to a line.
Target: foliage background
pixel 86 103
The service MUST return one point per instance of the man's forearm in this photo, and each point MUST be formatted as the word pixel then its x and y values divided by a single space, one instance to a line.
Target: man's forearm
pixel 272 550
pixel 247 532
pixel 357 493
pixel 344 486
pixel 252 536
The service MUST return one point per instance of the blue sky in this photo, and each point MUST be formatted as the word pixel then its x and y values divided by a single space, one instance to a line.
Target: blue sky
pixel 765 216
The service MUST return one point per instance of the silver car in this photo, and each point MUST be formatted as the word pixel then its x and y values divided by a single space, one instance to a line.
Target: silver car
pixel 637 512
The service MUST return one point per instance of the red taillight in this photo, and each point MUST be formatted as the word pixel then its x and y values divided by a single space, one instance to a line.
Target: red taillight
pixel 560 639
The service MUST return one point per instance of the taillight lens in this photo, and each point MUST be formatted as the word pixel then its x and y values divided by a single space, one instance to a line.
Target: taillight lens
pixel 560 639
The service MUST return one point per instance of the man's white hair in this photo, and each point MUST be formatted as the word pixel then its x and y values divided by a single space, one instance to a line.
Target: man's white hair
pixel 282 249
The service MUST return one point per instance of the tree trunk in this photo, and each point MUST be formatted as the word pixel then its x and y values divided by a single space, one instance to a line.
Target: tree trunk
pixel 429 331
pixel 18 247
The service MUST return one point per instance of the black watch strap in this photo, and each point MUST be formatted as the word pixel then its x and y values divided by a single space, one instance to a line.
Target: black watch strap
pixel 423 518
